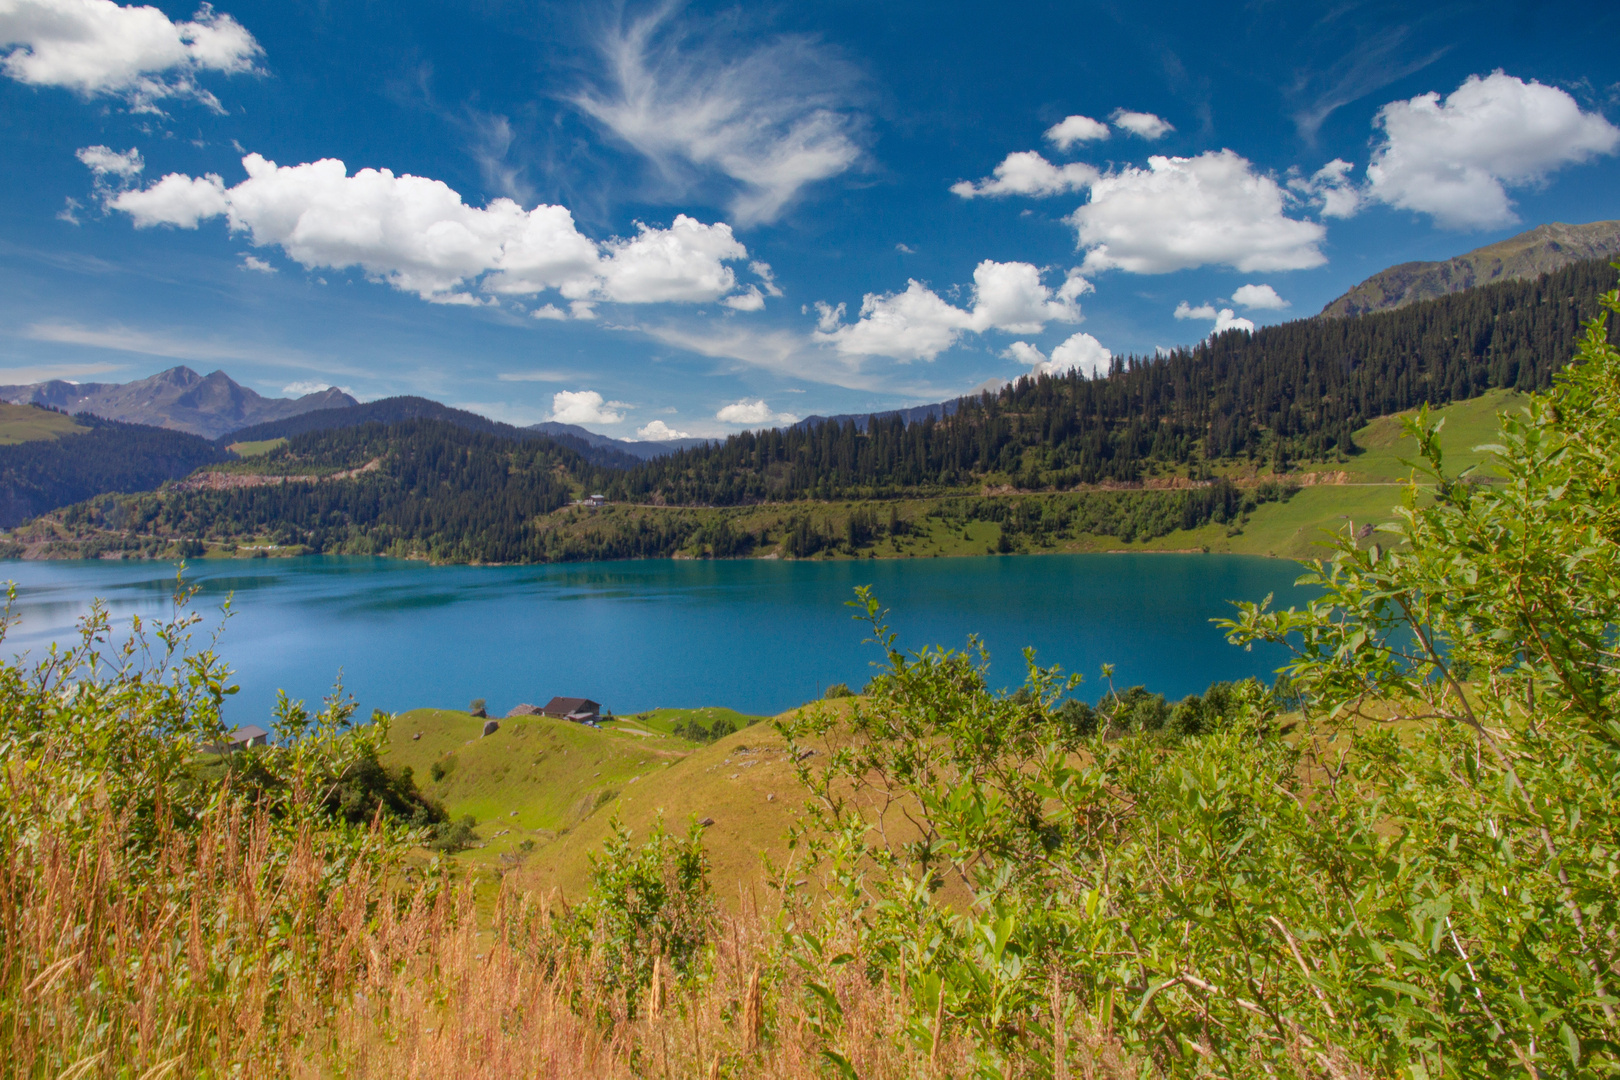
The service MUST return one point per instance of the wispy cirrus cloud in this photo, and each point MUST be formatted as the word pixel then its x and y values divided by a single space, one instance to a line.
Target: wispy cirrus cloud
pixel 170 345
pixel 36 373
pixel 789 353
pixel 1382 58
pixel 773 119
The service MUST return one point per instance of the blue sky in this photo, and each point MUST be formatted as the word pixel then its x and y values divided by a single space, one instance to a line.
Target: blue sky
pixel 699 218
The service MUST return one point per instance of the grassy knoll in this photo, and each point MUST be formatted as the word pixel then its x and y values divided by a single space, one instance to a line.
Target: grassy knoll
pixel 532 780
pixel 544 791
pixel 744 782
pixel 258 448
pixel 25 423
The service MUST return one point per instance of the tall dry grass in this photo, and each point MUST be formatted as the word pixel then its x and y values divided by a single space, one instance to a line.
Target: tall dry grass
pixel 235 944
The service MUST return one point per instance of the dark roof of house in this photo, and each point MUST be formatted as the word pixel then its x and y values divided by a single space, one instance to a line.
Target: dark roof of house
pixel 243 734
pixel 565 705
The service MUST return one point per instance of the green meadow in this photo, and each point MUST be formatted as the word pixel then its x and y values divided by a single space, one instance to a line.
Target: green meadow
pixel 25 423
pixel 258 448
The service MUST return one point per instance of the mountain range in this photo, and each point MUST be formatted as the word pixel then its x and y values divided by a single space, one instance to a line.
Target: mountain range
pixel 1530 254
pixel 178 399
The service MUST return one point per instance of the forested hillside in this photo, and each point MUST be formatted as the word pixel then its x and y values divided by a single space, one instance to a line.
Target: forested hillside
pixel 430 489
pixel 40 475
pixel 436 489
pixel 398 410
pixel 1287 392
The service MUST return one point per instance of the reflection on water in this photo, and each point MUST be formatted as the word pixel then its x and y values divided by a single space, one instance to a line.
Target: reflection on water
pixel 755 635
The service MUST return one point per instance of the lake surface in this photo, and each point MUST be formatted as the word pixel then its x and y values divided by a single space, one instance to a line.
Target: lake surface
pixel 758 636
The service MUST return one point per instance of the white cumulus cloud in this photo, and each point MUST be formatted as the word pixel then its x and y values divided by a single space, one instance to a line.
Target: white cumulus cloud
pixel 418 236
pixel 1223 318
pixel 1025 353
pixel 752 412
pixel 912 325
pixel 1144 124
pixel 1180 213
pixel 1082 353
pixel 1028 173
pixel 918 324
pixel 178 200
pixel 1258 297
pixel 1079 352
pixel 583 407
pixel 105 161
pixel 658 431
pixel 1075 129
pixel 1010 296
pixel 1331 189
pixel 1455 159
pixel 253 262
pixel 99 47
pixel 775 119
pixel 828 317
pixel 685 262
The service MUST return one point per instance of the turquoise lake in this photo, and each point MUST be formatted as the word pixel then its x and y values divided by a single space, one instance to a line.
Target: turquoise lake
pixel 757 636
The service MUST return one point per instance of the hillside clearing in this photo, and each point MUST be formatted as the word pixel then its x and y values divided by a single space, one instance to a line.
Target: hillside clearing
pixel 25 423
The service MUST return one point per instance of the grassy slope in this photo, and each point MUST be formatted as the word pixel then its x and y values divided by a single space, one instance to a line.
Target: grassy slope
pixel 1376 479
pixel 551 772
pixel 24 423
pixel 255 449
pixel 744 782
pixel 567 782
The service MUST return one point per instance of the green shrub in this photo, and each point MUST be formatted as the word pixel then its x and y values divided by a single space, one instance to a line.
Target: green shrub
pixel 647 904
pixel 450 837
pixel 696 731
